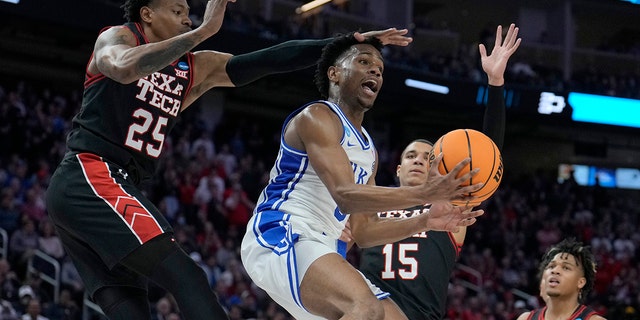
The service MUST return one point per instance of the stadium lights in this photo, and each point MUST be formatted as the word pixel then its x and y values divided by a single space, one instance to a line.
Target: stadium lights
pixel 311 5
pixel 426 86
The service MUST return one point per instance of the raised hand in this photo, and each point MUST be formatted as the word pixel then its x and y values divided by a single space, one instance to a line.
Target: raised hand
pixel 495 63
pixel 391 36
pixel 443 216
pixel 213 16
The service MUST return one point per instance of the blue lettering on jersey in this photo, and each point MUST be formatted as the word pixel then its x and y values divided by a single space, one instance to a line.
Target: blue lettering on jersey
pixel 339 215
pixel 360 173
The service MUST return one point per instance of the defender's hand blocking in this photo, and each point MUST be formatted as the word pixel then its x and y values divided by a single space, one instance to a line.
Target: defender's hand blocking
pixel 495 64
pixel 443 216
pixel 214 15
pixel 448 187
pixel 391 36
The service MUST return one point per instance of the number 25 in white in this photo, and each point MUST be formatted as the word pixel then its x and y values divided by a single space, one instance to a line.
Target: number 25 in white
pixel 409 273
pixel 137 129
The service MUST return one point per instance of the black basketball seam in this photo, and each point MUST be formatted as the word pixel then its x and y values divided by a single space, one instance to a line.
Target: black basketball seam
pixel 466 133
pixel 493 164
pixel 490 192
pixel 444 164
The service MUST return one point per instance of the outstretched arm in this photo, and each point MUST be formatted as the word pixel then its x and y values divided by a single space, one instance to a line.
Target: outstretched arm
pixel 370 230
pixel 297 54
pixel 495 65
pixel 217 69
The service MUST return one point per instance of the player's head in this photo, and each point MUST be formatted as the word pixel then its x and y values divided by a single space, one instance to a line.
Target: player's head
pixel 346 58
pixel 170 17
pixel 412 170
pixel 566 268
pixel 132 9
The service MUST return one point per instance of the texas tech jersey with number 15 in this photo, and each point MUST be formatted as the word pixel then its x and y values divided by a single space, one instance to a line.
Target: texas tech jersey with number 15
pixel 416 270
pixel 124 122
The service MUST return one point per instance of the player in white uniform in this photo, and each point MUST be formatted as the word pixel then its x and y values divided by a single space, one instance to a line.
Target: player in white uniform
pixel 325 170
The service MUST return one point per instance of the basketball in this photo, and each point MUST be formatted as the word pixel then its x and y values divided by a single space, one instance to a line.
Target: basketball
pixel 459 144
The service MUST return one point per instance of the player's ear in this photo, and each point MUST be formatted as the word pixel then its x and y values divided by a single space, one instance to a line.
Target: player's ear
pixel 145 14
pixel 581 282
pixel 398 171
pixel 333 73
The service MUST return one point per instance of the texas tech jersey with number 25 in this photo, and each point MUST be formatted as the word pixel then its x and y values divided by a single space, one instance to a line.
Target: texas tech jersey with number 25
pixel 124 121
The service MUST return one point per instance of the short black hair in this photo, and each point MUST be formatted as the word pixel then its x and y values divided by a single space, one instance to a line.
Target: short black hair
pixel 584 259
pixel 132 9
pixel 425 141
pixel 331 52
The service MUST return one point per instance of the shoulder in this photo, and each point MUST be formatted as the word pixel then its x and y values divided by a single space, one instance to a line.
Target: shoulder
pixel 596 317
pixel 117 35
pixel 316 111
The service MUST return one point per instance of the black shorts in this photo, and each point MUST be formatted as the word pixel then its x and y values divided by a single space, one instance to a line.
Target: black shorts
pixel 101 217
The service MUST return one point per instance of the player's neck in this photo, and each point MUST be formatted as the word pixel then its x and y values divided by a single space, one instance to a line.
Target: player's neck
pixel 560 309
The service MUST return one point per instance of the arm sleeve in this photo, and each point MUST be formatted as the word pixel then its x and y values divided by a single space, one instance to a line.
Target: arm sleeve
pixel 285 57
pixel 494 115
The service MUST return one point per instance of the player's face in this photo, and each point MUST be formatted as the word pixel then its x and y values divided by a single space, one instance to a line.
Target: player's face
pixel 359 75
pixel 169 18
pixel 562 276
pixel 413 170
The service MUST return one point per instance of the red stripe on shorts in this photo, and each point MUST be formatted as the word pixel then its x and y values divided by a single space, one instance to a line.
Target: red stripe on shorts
pixel 132 212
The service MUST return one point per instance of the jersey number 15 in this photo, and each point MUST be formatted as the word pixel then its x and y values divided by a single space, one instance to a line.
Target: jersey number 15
pixel 411 270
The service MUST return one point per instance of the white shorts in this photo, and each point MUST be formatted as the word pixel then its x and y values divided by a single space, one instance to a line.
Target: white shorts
pixel 277 253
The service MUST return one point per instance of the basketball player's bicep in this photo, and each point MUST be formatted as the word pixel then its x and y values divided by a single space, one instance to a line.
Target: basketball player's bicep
pixel 110 50
pixel 320 132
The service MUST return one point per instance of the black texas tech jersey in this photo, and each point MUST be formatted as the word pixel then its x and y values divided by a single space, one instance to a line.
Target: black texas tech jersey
pixel 415 271
pixel 128 123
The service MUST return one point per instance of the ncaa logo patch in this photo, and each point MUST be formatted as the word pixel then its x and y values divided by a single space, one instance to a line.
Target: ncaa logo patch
pixel 183 65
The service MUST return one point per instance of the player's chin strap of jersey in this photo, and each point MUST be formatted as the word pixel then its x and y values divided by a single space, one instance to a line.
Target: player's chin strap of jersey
pixel 285 57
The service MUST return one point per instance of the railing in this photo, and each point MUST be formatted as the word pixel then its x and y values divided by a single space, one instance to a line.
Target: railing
pixel 476 285
pixel 44 273
pixel 4 249
pixel 89 307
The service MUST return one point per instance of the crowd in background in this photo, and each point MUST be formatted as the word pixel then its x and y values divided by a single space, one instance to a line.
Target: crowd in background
pixel 209 180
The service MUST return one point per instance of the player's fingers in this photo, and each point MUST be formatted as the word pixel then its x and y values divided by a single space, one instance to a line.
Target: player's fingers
pixel 466 222
pixel 470 189
pixel 459 168
pixel 433 169
pixel 498 37
pixel 483 50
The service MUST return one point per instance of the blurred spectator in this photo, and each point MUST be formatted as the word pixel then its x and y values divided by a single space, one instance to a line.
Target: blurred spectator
pixel 23 242
pixel 33 311
pixel 49 242
pixel 9 215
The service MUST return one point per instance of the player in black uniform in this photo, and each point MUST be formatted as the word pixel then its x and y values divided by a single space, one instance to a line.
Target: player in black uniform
pixel 416 270
pixel 139 79
pixel 568 272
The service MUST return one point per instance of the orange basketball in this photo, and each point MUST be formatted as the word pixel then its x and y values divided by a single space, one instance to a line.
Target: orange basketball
pixel 459 144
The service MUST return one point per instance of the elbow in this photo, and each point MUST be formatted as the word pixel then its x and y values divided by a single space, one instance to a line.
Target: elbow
pixel 120 74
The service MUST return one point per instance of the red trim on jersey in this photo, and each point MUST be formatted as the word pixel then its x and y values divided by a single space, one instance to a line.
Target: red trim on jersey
pixel 141 30
pixel 133 213
pixel 574 315
pixel 192 71
pixel 456 245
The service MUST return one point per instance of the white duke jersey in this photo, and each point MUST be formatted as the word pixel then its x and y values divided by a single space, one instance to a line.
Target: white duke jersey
pixel 295 189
